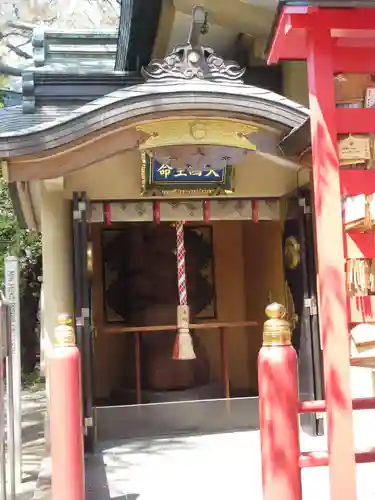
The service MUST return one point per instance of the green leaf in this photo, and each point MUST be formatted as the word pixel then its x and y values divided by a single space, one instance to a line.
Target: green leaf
pixel 23 243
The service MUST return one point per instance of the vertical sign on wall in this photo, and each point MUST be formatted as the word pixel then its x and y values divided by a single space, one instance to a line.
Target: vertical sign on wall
pixel 3 355
pixel 13 296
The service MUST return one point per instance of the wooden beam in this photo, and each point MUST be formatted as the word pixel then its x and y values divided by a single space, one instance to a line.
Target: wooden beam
pixel 354 60
pixel 224 362
pixel 360 245
pixel 330 252
pixel 342 21
pixel 172 328
pixel 339 22
pixel 346 26
pixel 355 182
pixel 355 120
pixel 138 373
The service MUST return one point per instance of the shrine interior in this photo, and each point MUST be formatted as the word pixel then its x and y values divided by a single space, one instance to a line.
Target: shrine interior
pixel 234 269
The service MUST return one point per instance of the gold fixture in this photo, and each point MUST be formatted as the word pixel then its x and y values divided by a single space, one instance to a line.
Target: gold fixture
pixel 292 252
pixel 276 330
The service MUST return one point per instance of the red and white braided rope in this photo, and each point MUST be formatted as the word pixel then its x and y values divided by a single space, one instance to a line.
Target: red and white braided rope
pixel 181 270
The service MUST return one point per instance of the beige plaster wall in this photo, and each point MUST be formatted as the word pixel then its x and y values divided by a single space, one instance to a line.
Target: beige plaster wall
pixel 166 20
pixel 295 81
pixel 57 261
pixel 119 177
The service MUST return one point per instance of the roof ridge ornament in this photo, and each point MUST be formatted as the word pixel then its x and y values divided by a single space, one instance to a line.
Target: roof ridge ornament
pixel 193 61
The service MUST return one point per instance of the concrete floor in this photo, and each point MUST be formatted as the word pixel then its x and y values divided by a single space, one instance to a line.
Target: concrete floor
pixel 216 467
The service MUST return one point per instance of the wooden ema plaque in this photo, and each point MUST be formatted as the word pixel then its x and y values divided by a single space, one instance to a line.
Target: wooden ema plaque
pixel 359 212
pixel 354 149
pixel 351 87
pixel 362 345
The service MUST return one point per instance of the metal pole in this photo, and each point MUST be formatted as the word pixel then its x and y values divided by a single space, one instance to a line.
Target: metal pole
pixel 10 414
pixel 3 354
pixel 14 366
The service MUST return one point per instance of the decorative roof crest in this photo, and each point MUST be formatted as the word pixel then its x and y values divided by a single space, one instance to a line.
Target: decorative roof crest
pixel 193 61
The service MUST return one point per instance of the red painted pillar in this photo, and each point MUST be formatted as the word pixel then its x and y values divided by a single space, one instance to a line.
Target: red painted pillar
pixel 65 407
pixel 330 264
pixel 278 410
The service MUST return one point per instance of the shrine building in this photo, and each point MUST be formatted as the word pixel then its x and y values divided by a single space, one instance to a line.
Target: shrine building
pixel 131 147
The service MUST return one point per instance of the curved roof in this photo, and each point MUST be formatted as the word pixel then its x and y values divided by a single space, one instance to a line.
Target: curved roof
pixel 145 99
pixel 191 78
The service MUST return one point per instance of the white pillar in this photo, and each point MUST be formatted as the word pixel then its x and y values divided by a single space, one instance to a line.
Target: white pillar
pixel 57 287
pixel 56 225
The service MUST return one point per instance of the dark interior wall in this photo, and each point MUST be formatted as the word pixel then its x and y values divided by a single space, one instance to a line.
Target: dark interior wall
pixel 270 78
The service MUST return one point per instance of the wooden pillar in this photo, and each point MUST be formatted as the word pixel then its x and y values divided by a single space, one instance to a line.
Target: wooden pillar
pixel 278 409
pixel 64 368
pixel 330 260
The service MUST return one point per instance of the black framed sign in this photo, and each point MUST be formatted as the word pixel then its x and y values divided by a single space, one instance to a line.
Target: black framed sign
pixel 157 177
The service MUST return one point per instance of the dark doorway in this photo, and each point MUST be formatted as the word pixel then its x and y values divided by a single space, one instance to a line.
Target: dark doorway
pixel 300 275
pixel 82 312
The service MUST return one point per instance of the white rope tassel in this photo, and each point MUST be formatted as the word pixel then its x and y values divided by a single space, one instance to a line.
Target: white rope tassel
pixel 183 348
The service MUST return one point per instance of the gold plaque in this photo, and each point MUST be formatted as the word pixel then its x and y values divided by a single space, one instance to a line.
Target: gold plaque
pixel 292 252
pixel 206 131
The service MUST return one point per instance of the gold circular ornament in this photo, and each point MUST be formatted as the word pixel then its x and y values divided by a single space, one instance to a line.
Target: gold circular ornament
pixel 90 260
pixel 198 131
pixel 292 252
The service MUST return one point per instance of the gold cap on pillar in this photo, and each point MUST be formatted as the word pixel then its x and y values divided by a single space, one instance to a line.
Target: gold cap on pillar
pixel 64 331
pixel 276 330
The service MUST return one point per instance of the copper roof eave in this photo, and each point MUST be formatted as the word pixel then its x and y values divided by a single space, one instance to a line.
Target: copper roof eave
pixel 298 141
pixel 150 98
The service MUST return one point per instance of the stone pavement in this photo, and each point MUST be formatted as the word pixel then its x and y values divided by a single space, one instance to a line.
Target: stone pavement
pixel 218 466
pixel 33 405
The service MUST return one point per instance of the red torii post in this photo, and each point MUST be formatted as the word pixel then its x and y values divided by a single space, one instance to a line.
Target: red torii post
pixel 332 41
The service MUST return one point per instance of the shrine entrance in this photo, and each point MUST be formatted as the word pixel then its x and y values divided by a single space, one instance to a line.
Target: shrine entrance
pixel 238 259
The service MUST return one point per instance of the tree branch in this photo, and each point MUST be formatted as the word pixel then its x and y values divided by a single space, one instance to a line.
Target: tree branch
pixel 7 70
pixel 21 25
pixel 18 51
